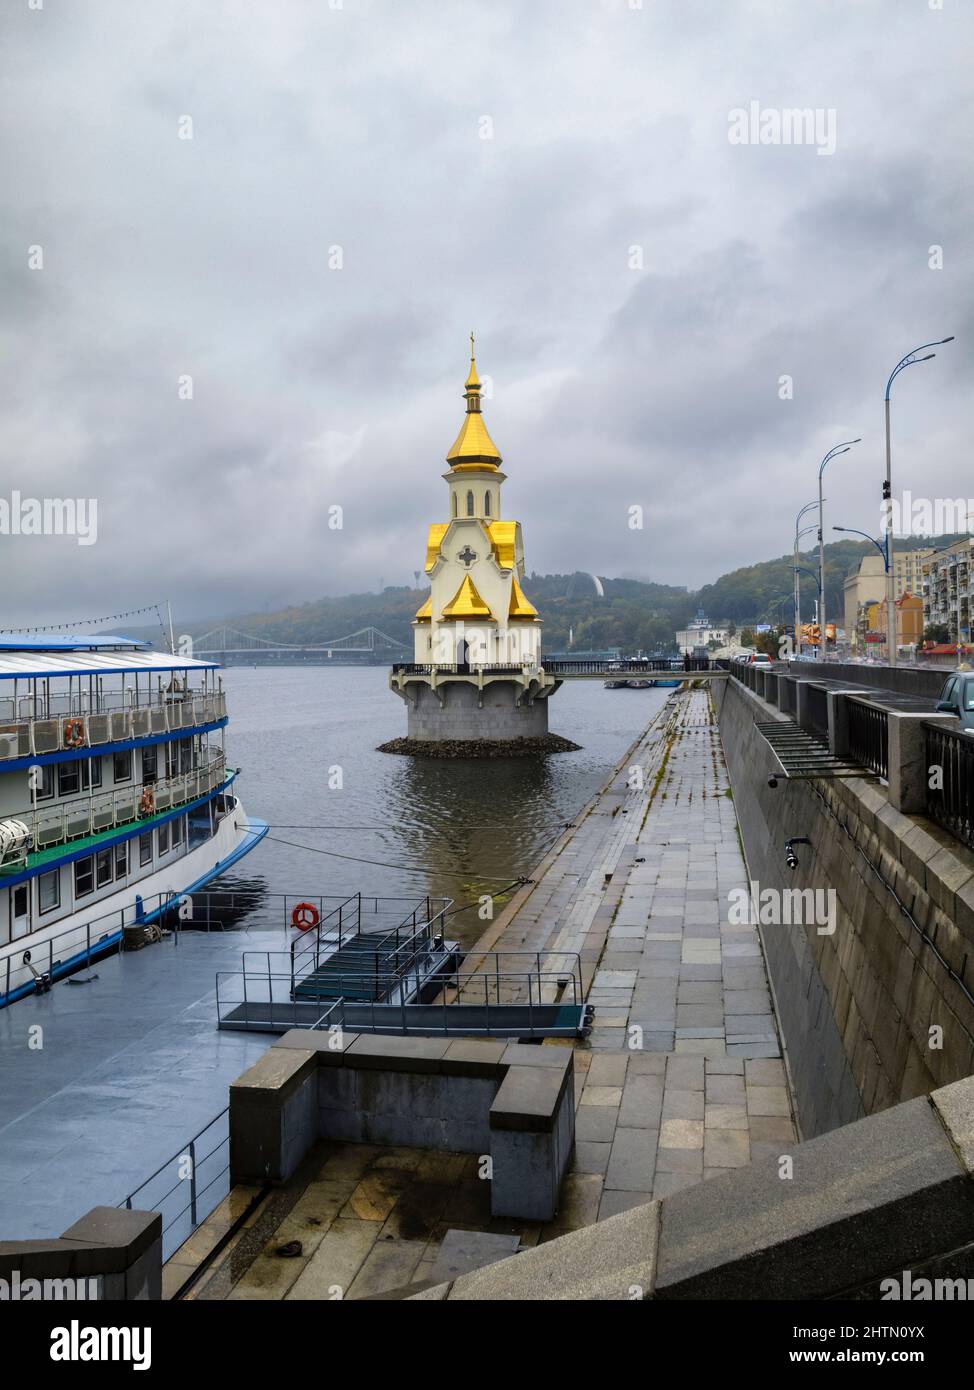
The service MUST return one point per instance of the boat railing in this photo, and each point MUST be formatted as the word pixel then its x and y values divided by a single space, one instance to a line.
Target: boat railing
pixel 83 724
pixel 82 943
pixel 82 816
pixel 207 910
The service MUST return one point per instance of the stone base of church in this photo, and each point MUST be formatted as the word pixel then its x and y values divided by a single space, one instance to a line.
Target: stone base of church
pixel 478 723
pixel 480 747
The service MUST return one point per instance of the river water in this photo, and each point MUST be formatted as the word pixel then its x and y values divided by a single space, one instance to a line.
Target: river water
pixel 305 739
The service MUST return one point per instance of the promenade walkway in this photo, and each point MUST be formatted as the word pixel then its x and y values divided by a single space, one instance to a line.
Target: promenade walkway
pixel 681 1078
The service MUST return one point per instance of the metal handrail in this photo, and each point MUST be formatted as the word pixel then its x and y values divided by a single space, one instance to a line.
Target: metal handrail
pixel 290 1010
pixel 868 734
pixel 951 804
pixel 105 722
pixel 308 945
pixel 201 1199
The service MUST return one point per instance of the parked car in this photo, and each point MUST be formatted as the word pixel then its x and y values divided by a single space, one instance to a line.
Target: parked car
pixel 759 659
pixel 957 697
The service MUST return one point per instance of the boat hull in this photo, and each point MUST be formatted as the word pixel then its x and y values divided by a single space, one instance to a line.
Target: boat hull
pixel 71 943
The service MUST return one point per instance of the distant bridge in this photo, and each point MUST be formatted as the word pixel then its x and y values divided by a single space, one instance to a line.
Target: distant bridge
pixel 233 647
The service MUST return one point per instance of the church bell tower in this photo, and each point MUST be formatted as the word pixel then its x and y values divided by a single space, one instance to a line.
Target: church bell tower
pixel 477 675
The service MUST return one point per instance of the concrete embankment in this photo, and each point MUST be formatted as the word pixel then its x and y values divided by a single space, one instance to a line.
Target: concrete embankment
pixel 872 995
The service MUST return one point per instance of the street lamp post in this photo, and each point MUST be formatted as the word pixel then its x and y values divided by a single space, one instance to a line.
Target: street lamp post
pixel 910 360
pixel 809 506
pixel 823 641
pixel 883 550
pixel 806 531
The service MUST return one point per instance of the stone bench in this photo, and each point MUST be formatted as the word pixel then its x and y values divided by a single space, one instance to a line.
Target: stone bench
pixel 508 1102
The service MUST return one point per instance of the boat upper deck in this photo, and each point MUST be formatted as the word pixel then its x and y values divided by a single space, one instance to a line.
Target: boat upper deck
pixel 30 657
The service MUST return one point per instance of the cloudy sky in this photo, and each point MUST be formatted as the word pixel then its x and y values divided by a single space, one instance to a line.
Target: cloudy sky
pixel 367 181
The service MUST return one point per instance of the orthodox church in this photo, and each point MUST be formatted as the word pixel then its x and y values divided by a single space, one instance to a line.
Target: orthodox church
pixel 477 673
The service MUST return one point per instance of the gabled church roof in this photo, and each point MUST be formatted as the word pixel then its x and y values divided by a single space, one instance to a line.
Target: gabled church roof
pixel 433 542
pixel 521 607
pixel 466 602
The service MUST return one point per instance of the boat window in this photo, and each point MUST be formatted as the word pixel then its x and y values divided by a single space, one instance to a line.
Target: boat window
pixel 68 778
pixel 84 877
pixel 145 848
pixel 91 773
pixel 150 763
pixel 186 755
pixel 163 833
pixel 49 891
pixel 103 867
pixel 177 832
pixel 121 859
pixel 20 910
pixel 172 759
pixel 123 766
pixel 45 781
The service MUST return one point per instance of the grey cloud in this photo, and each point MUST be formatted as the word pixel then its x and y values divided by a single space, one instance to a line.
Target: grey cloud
pixel 359 127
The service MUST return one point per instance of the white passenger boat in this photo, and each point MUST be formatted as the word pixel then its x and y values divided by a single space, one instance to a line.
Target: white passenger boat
pixel 115 796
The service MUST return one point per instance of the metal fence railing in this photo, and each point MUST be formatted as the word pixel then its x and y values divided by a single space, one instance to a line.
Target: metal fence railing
pixel 189 1185
pixel 216 909
pixel 868 735
pixel 78 817
pixel 466 1002
pixel 950 801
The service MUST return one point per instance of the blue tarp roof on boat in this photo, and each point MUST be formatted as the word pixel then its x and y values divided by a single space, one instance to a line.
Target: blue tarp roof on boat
pixel 68 642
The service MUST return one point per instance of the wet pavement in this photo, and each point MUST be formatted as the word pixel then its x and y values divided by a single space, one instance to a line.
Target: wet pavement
pixel 101 1082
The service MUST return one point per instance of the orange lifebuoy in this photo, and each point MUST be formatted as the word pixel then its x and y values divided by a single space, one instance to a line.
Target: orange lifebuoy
pixel 147 802
pixel 305 916
pixel 74 733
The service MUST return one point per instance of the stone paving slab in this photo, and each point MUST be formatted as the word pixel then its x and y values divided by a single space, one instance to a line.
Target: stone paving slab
pixel 686 1079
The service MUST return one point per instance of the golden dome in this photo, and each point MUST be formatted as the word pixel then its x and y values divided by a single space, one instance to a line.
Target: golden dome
pixel 473 446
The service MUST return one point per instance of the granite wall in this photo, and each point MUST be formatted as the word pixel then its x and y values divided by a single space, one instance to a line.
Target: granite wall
pixel 870 1013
